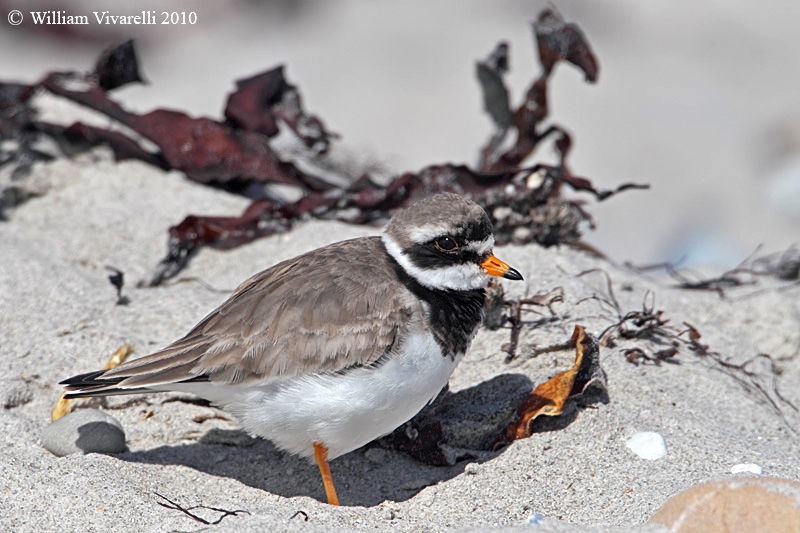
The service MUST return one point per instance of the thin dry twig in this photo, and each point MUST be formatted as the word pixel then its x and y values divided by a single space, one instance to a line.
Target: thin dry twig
pixel 187 510
pixel 651 325
pixel 784 266
pixel 647 324
pixel 500 311
pixel 536 352
pixel 516 308
pixel 741 372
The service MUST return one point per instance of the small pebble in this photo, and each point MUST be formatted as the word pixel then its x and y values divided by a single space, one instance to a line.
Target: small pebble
pixel 85 430
pixel 472 468
pixel 747 468
pixel 647 445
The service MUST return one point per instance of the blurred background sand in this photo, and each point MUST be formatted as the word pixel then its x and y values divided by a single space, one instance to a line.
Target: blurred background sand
pixel 699 100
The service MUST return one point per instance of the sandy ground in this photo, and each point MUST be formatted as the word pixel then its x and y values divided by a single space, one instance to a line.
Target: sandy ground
pixel 59 318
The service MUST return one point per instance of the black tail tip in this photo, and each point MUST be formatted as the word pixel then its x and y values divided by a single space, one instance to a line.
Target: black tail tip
pixel 89 379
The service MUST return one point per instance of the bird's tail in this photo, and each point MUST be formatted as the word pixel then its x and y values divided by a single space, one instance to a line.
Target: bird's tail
pixel 94 384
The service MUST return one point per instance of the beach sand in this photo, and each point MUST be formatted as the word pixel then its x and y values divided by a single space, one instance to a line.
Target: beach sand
pixel 59 317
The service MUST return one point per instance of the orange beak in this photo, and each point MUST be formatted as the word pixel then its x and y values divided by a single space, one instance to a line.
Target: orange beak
pixel 495 267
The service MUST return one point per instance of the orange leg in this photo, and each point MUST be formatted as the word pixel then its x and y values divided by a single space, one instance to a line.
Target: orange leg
pixel 321 455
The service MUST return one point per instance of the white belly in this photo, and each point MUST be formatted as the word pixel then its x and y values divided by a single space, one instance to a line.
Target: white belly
pixel 345 411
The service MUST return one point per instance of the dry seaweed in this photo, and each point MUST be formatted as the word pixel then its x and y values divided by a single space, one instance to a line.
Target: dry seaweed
pixel 648 324
pixel 236 154
pixel 117 279
pixel 782 266
pixel 556 41
pixel 421 438
pixel 751 380
pixel 500 311
pixel 261 102
pixel 657 341
pixel 118 66
pixel 549 397
pixel 474 422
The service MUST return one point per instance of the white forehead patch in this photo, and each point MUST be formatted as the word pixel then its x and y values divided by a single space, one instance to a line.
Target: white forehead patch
pixel 481 247
pixel 428 232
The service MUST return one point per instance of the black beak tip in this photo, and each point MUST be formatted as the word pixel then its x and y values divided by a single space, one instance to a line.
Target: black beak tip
pixel 513 274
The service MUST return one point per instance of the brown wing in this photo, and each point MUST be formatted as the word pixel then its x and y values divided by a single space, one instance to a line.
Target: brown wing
pixel 324 311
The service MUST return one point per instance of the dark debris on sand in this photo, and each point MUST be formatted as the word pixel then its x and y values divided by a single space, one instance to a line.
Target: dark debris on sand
pixel 237 154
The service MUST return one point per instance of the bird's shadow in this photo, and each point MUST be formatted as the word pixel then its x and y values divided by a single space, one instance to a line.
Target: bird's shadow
pixel 467 424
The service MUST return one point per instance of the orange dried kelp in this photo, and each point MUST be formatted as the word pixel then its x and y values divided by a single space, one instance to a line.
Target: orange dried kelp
pixel 549 397
pixel 474 422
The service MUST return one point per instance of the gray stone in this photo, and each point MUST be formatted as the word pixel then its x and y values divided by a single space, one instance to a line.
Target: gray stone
pixel 85 430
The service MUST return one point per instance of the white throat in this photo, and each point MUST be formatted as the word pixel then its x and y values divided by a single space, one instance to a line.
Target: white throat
pixel 464 277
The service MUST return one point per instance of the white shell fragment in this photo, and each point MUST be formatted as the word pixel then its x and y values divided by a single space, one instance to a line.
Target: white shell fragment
pixel 534 519
pixel 647 445
pixel 747 468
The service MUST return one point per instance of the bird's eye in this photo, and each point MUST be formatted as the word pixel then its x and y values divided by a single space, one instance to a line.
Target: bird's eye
pixel 446 244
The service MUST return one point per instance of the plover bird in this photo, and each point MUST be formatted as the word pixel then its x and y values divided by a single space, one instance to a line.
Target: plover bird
pixel 325 352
